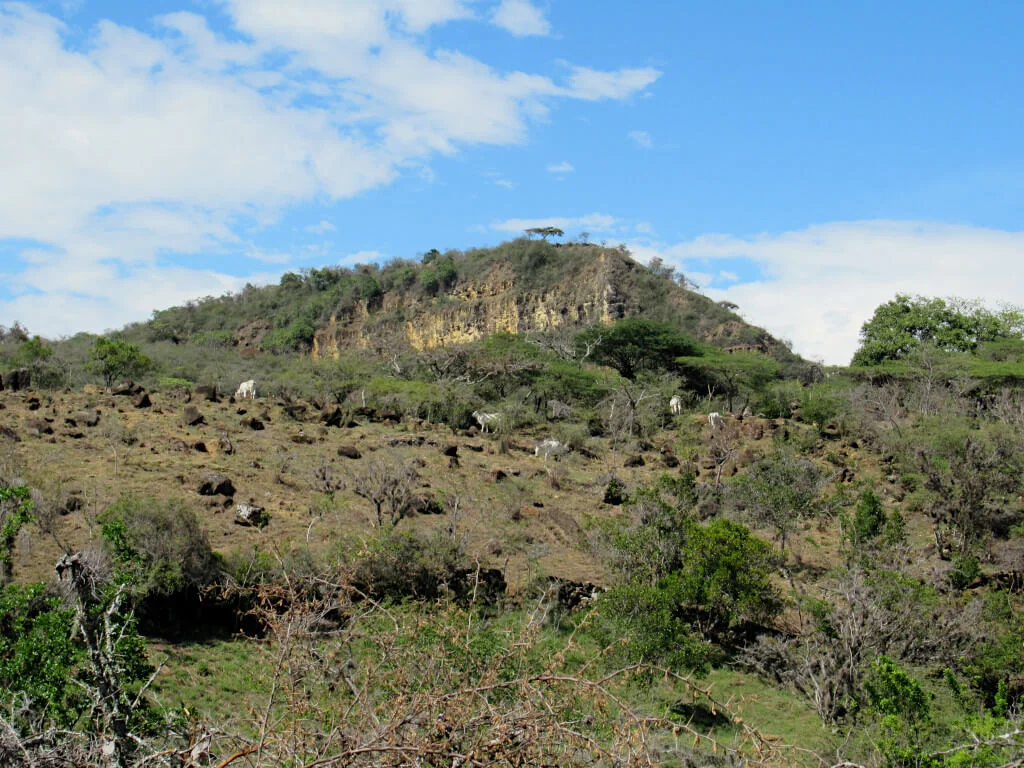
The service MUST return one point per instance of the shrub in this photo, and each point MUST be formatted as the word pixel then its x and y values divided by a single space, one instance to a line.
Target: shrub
pixel 160 543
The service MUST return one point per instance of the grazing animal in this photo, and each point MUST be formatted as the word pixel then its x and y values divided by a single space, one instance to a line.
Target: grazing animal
pixel 551 447
pixel 715 420
pixel 246 390
pixel 485 419
pixel 676 404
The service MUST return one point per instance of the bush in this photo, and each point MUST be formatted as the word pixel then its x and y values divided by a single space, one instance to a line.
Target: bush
pixel 403 565
pixel 160 543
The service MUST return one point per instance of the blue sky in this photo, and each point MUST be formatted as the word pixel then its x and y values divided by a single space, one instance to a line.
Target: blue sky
pixel 805 160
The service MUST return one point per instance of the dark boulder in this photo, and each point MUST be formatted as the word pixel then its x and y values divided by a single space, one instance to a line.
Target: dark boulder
pixel 38 426
pixel 9 434
pixel 252 423
pixel 192 417
pixel 332 417
pixel 216 484
pixel 349 452
pixel 34 404
pixel 296 411
pixel 142 400
pixel 634 461
pixel 126 389
pixel 16 380
pixel 208 392
pixel 88 418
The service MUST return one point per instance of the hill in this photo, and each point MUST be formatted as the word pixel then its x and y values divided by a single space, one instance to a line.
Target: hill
pixel 445 299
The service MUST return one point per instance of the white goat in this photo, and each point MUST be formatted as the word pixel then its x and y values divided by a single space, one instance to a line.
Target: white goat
pixel 676 405
pixel 485 419
pixel 246 390
pixel 715 420
pixel 551 447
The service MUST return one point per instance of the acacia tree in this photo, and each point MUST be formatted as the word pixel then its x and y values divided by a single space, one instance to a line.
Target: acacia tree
pixel 635 344
pixel 907 323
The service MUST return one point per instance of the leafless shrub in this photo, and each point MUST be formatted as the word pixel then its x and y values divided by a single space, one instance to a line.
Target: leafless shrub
pixel 389 485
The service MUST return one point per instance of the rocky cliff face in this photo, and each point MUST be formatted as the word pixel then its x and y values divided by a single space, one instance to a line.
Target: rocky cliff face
pixel 489 303
pixel 597 285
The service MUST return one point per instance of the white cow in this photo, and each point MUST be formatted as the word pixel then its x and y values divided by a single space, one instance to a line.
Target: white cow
pixel 246 390
pixel 676 404
pixel 551 447
pixel 715 420
pixel 485 419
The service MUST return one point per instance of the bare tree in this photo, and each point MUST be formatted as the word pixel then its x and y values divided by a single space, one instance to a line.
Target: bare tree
pixel 389 485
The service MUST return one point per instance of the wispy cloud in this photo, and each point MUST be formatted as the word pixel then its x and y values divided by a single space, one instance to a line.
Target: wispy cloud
pixel 641 139
pixel 521 18
pixel 821 283
pixel 322 228
pixel 563 167
pixel 594 222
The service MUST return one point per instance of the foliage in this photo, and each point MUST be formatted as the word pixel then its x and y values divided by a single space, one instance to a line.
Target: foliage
pixel 968 474
pixel 869 517
pixel 822 404
pixel 778 491
pixel 635 344
pixel 732 374
pixel 15 512
pixel 158 545
pixel 907 323
pixel 38 656
pixel 115 359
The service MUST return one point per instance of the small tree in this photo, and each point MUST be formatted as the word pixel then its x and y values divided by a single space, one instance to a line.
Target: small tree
pixel 635 344
pixel 778 491
pixel 114 359
pixel 388 484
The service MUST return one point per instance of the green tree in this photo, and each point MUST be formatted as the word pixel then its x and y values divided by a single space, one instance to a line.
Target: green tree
pixel 730 374
pixel 907 323
pixel 778 491
pixel 635 344
pixel 114 359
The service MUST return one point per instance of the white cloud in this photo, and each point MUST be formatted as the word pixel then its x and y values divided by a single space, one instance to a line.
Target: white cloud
pixel 322 228
pixel 595 222
pixel 505 183
pixel 728 276
pixel 591 84
pixel 362 257
pixel 521 18
pixel 121 151
pixel 641 139
pixel 820 284
pixel 563 167
pixel 644 228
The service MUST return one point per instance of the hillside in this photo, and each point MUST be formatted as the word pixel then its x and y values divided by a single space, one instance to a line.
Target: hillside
pixel 722 545
pixel 523 286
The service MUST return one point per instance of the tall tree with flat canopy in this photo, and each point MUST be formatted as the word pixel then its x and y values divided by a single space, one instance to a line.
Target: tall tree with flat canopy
pixel 635 344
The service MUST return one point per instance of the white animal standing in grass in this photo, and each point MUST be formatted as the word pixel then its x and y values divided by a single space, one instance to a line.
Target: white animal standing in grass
pixel 246 390
pixel 715 420
pixel 676 405
pixel 487 419
pixel 551 447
